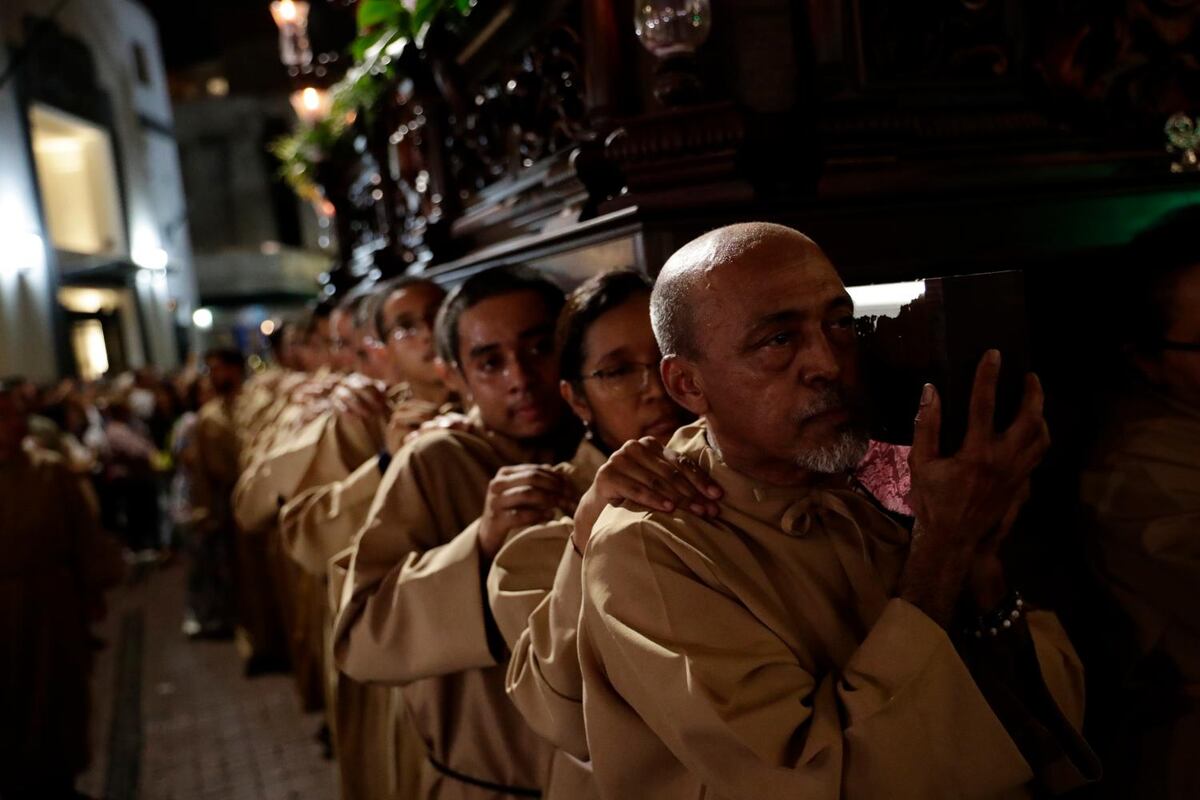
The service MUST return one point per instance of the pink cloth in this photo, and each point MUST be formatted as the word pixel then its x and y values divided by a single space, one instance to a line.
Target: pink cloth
pixel 884 471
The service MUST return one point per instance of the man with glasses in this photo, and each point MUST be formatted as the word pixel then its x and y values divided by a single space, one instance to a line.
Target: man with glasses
pixel 1142 495
pixel 377 756
pixel 415 609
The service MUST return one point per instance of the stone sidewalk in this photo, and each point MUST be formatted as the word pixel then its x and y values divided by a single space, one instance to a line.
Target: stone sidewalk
pixel 176 720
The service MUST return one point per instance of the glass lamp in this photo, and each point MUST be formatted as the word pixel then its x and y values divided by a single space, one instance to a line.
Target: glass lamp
pixel 311 105
pixel 670 27
pixel 291 17
pixel 672 30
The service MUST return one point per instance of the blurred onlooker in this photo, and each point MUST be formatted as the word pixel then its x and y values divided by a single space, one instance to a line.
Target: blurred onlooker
pixel 212 470
pixel 131 479
pixel 1141 493
pixel 55 569
pixel 210 579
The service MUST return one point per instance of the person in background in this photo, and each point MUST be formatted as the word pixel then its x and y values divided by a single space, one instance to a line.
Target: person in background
pixel 213 470
pixel 1141 499
pixel 56 567
pixel 209 584
pixel 130 470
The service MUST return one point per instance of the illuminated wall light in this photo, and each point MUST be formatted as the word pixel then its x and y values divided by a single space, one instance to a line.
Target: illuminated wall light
pixel 310 104
pixel 154 258
pixel 267 327
pixel 217 87
pixel 202 318
pixel 25 251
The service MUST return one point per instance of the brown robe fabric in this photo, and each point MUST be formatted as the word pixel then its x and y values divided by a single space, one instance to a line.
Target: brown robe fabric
pixel 56 565
pixel 379 757
pixel 763 654
pixel 323 451
pixel 415 613
pixel 380 754
pixel 219 453
pixel 535 591
pixel 1142 496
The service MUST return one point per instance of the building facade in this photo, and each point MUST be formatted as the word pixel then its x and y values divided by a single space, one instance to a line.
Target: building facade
pixel 96 270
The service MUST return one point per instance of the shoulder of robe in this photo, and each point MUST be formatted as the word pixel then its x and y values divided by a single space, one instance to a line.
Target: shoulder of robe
pixel 444 451
pixel 676 541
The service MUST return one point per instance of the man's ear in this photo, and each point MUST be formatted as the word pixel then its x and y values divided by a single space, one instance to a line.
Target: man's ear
pixel 454 380
pixel 682 380
pixel 576 401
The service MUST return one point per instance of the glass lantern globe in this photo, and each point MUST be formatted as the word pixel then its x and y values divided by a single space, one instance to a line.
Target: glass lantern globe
pixel 669 28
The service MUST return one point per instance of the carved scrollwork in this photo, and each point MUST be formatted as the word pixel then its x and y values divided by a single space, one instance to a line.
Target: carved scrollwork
pixel 1136 57
pixel 532 109
pixel 936 42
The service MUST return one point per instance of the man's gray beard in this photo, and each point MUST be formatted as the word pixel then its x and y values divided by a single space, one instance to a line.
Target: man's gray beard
pixel 846 453
pixel 842 456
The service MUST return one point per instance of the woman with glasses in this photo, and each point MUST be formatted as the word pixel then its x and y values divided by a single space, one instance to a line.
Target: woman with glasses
pixel 609 366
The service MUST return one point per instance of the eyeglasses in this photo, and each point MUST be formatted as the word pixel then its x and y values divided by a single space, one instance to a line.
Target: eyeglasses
pixel 626 380
pixel 406 329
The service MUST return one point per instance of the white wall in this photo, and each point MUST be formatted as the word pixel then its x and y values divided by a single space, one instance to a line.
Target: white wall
pixel 149 164
pixel 26 342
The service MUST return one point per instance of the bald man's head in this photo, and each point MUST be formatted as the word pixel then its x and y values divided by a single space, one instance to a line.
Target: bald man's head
pixel 676 301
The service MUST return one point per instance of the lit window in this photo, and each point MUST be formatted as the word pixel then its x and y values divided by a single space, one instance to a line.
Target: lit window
pixel 78 181
pixel 91 352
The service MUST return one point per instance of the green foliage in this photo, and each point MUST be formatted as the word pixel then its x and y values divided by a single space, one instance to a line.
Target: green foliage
pixel 301 151
pixel 385 29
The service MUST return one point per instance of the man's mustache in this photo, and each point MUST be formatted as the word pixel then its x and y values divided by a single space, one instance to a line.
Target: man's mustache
pixel 830 399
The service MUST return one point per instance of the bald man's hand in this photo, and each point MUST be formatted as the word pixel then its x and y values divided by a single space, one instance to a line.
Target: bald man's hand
pixel 965 504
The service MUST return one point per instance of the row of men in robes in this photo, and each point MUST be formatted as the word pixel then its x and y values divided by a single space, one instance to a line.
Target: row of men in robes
pixel 620 544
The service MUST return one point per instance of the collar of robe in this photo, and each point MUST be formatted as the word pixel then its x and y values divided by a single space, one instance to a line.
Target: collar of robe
pixel 829 506
pixel 827 502
pixel 511 451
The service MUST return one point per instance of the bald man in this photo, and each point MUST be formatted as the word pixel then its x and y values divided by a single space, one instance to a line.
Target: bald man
pixel 802 644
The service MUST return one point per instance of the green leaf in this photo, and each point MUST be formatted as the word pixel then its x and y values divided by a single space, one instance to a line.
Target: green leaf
pixel 463 6
pixel 424 12
pixel 360 46
pixel 374 13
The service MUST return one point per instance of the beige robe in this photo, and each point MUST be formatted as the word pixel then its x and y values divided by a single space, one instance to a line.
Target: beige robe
pixel 414 613
pixel 379 757
pixel 535 591
pixel 218 453
pixel 324 451
pixel 763 654
pixel 1142 495
pixel 56 565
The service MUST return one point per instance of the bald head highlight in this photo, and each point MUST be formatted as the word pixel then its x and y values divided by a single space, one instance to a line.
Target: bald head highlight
pixel 676 296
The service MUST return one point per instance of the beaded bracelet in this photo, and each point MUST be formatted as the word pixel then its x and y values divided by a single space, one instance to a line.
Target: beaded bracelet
pixel 1001 619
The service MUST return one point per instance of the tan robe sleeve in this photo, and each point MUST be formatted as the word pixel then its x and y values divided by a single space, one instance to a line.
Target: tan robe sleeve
pixel 276 475
pixel 321 522
pixel 902 718
pixel 214 472
pixel 535 591
pixel 412 578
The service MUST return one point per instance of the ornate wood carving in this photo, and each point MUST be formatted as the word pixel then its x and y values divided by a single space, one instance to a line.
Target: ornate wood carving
pixel 1133 57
